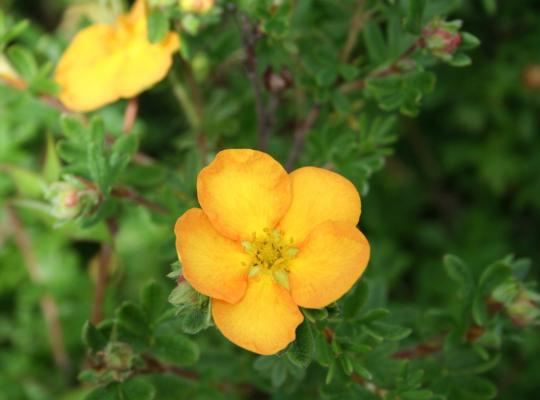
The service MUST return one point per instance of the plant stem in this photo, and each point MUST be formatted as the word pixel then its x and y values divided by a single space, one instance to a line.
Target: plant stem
pixel 357 22
pixel 300 136
pixel 105 256
pixel 48 305
pixel 130 115
pixel 249 38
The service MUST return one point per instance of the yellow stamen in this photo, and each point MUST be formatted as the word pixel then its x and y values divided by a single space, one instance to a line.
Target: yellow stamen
pixel 270 253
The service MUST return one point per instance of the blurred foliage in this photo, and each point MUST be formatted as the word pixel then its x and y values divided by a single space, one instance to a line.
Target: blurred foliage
pixel 445 157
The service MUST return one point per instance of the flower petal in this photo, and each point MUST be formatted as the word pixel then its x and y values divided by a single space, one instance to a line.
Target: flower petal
pixel 328 264
pixel 243 192
pixel 212 264
pixel 319 195
pixel 264 321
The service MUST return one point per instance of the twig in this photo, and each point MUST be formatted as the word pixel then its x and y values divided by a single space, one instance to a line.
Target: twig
pixel 300 135
pixel 105 256
pixel 198 109
pixel 357 22
pixel 250 35
pixel 130 194
pixel 48 305
pixel 130 115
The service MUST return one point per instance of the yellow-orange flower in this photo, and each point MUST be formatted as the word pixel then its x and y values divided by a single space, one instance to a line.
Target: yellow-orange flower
pixel 105 62
pixel 266 242
pixel 196 6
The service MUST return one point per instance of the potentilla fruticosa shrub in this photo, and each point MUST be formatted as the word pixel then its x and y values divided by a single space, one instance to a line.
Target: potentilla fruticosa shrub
pixel 183 182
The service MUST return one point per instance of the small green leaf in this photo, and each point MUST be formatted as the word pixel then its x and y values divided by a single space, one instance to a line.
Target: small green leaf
pixel 153 300
pixel 52 166
pixel 354 301
pixel 469 41
pixel 132 319
pixel 23 61
pixel 195 319
pixel 301 350
pixel 137 389
pixel 387 331
pixel 362 371
pixel 313 314
pixel 177 349
pixel 415 12
pixel 109 392
pixel 346 364
pixel 460 60
pixel 92 338
pixel 72 128
pixel 479 310
pixel 416 395
pixel 158 25
pixel 458 271
pixel 278 374
pixel 121 152
pixel 96 158
pixel 494 275
pixel 477 388
pixel 374 40
pixel 374 314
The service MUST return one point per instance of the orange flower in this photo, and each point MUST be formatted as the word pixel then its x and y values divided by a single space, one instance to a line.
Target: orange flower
pixel 104 62
pixel 266 242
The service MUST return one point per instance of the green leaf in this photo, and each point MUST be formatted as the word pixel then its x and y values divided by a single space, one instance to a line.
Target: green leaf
pixel 137 389
pixel 469 41
pixel 278 374
pixel 92 338
pixel 73 128
pixel 96 158
pixel 183 294
pixel 176 349
pixel 354 301
pixel 121 152
pixel 374 40
pixel 313 314
pixel 494 275
pixel 458 271
pixel 374 314
pixel 416 395
pixel 460 60
pixel 132 389
pixel 109 392
pixel 195 319
pixel 23 61
pixel 132 320
pixel 479 310
pixel 158 25
pixel 383 330
pixel 153 300
pixel 326 77
pixel 302 349
pixel 415 12
pixel 362 371
pixel 52 166
pixel 346 364
pixel 476 388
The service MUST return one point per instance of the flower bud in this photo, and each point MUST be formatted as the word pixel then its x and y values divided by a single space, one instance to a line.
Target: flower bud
pixel 524 311
pixel 196 6
pixel 441 38
pixel 64 199
pixel 68 201
pixel 277 82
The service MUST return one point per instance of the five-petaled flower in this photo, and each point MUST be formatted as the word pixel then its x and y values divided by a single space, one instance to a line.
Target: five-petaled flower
pixel 265 243
pixel 105 62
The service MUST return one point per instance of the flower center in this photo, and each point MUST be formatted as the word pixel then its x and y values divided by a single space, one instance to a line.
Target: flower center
pixel 270 253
